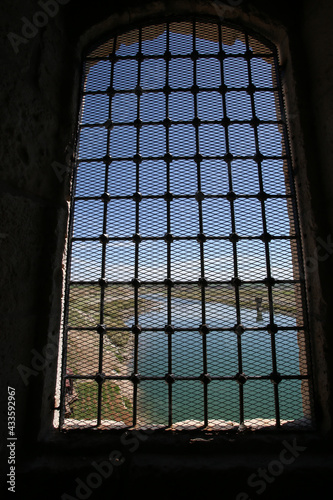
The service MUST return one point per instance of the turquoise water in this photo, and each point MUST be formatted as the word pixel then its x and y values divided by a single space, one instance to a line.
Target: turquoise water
pixel 222 360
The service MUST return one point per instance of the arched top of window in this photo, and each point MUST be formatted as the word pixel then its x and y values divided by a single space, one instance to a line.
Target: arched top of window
pixel 154 39
pixel 185 296
pixel 172 41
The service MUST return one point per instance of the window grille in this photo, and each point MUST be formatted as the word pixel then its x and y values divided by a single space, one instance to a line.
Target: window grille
pixel 185 295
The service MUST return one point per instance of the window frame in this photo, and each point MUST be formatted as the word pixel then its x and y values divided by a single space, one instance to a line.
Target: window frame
pixel 177 18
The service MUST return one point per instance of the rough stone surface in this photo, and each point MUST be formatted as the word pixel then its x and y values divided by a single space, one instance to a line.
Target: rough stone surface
pixel 39 102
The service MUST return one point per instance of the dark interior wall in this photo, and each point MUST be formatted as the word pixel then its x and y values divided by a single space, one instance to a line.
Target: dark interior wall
pixel 40 75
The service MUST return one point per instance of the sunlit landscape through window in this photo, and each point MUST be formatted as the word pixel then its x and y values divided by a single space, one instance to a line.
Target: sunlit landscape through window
pixel 185 291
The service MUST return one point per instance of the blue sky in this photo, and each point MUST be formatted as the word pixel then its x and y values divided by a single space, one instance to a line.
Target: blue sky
pixel 183 181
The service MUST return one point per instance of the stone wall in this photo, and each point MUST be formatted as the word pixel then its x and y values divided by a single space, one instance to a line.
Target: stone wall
pixel 41 55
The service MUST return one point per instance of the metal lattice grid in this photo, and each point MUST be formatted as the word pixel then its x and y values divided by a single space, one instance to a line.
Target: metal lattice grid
pixel 185 296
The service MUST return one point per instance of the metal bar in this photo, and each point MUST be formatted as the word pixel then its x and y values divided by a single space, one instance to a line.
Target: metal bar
pixel 179 282
pixel 258 233
pixel 169 240
pixel 185 157
pixel 267 249
pixel 229 158
pixel 180 56
pixel 197 159
pixel 103 262
pixel 179 377
pixel 181 122
pixel 179 89
pixel 137 243
pixel 188 238
pixel 182 329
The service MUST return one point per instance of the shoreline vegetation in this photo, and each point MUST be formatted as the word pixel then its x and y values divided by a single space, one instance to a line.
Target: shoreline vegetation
pixel 284 300
pixel 83 345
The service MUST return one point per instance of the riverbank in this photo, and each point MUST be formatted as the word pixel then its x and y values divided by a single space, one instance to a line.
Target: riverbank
pixel 118 345
pixel 284 296
pixel 83 351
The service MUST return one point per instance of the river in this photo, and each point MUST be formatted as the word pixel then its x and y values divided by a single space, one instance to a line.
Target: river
pixel 222 360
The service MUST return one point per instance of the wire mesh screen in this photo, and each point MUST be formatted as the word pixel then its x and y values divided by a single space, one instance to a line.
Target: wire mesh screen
pixel 185 299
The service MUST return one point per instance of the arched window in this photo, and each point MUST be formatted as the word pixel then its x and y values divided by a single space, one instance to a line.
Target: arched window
pixel 185 298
